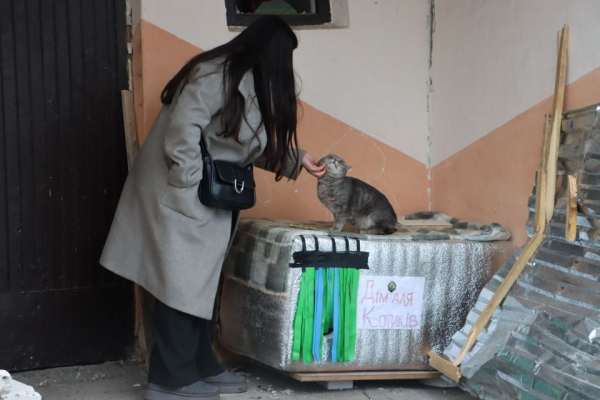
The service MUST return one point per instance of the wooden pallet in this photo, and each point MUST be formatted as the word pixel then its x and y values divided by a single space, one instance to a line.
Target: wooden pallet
pixel 362 375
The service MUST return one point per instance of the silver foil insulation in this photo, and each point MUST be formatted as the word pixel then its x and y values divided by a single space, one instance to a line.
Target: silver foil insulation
pixel 260 291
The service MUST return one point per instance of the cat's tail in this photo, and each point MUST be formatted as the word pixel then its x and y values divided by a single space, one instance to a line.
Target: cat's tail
pixel 390 230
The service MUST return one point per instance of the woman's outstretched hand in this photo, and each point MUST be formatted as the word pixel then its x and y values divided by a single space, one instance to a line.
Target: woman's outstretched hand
pixel 311 165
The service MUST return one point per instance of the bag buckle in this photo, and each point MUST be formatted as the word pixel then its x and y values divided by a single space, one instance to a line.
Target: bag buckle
pixel 235 187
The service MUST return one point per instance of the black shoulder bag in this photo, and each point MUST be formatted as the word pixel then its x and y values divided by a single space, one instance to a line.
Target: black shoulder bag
pixel 225 185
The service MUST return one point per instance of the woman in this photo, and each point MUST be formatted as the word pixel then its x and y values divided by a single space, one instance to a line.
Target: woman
pixel 240 98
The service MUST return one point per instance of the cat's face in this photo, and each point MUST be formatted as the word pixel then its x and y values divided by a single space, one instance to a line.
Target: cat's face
pixel 335 165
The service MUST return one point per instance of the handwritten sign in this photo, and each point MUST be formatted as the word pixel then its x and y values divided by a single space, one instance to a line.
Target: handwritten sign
pixel 389 302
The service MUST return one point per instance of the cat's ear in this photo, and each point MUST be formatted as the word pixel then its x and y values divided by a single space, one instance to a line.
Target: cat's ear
pixel 348 167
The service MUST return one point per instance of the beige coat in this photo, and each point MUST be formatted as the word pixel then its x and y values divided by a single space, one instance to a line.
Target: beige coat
pixel 162 237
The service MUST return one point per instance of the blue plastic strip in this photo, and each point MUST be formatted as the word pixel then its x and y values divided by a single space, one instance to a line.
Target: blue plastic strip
pixel 336 315
pixel 317 326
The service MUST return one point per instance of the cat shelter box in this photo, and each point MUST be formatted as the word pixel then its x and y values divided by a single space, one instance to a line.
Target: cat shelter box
pixel 408 294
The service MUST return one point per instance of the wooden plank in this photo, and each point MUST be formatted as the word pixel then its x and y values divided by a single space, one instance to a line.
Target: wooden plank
pixel 79 101
pixel 362 375
pixel 451 369
pixel 444 366
pixel 425 223
pixel 141 345
pixel 101 171
pixel 107 54
pixel 557 110
pixel 544 209
pixel 132 149
pixel 39 157
pixel 24 134
pixel 117 63
pixel 540 194
pixel 5 32
pixel 571 225
pixel 131 143
pixel 69 148
pixel 119 10
pixel 12 185
pixel 89 76
pixel 499 295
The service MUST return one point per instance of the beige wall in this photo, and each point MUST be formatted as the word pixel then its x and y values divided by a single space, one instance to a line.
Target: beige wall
pixel 363 91
pixel 365 96
pixel 494 59
pixel 371 75
pixel 494 65
pixel 158 55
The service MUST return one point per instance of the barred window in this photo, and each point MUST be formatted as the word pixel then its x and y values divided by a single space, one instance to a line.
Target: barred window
pixel 294 12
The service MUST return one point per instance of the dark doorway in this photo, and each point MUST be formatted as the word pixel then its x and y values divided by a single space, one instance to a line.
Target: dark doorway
pixel 62 167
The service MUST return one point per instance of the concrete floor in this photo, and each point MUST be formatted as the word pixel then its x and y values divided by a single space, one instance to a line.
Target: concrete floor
pixel 126 381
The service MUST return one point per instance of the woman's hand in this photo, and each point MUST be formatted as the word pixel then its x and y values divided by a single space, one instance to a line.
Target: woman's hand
pixel 312 166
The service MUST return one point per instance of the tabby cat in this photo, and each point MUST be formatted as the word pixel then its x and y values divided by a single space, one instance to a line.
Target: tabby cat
pixel 354 201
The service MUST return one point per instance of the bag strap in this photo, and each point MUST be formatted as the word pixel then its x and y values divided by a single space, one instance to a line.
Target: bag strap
pixel 203 149
pixel 205 153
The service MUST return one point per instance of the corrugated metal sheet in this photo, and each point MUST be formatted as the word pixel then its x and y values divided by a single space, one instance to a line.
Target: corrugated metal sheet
pixel 544 341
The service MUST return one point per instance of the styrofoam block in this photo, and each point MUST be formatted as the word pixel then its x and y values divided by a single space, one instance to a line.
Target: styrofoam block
pixel 14 390
pixel 5 382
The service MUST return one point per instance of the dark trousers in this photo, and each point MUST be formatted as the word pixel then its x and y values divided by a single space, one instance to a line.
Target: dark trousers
pixel 182 352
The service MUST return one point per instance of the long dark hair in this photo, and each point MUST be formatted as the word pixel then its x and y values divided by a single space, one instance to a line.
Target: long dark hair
pixel 266 47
